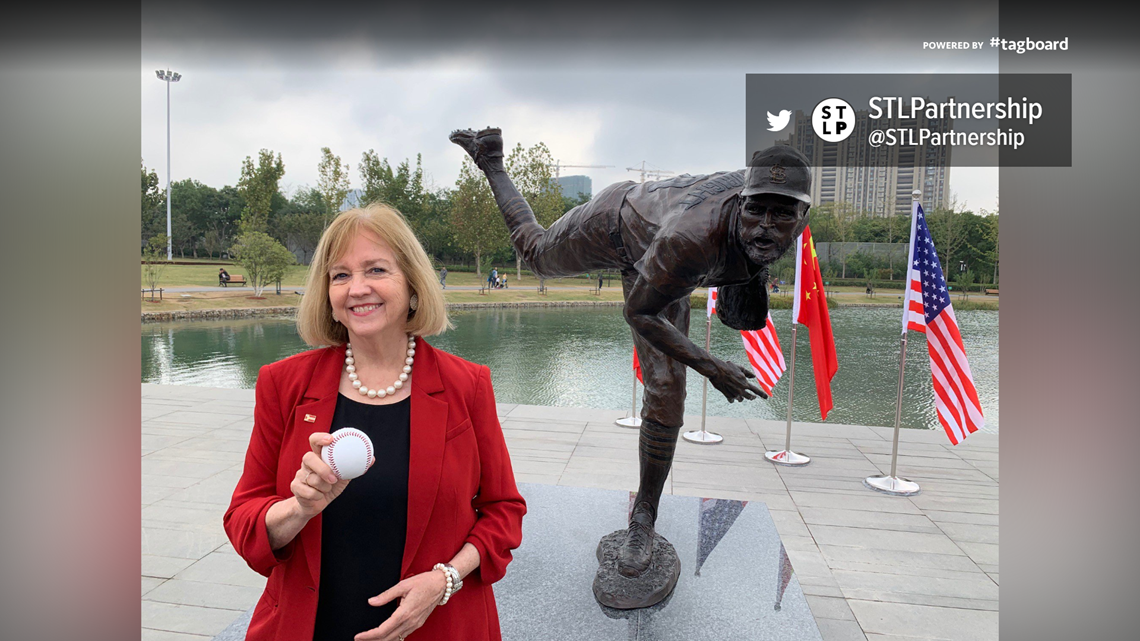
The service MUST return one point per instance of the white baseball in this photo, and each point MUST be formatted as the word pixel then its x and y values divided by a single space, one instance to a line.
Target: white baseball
pixel 350 453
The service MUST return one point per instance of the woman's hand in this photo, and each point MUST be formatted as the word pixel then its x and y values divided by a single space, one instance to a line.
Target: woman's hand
pixel 315 485
pixel 418 597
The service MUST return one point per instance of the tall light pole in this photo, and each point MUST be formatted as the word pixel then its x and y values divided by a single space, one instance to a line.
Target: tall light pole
pixel 168 77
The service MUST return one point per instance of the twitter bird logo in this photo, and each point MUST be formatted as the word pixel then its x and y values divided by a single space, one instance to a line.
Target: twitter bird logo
pixel 777 123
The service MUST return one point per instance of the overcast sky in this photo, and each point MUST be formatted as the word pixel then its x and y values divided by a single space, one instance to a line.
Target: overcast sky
pixel 598 85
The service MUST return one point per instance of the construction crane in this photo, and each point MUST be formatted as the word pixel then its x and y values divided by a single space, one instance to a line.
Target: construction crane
pixel 557 165
pixel 652 173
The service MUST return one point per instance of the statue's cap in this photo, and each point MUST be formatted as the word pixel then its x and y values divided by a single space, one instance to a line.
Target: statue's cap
pixel 779 169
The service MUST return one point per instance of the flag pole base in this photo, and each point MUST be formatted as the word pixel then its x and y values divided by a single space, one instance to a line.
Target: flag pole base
pixel 892 485
pixel 702 437
pixel 786 457
pixel 629 421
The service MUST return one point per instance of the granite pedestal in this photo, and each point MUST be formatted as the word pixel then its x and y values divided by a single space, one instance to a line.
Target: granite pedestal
pixel 736 580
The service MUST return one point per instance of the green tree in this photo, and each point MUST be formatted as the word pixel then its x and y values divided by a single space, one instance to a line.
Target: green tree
pixel 569 203
pixel 298 224
pixel 305 200
pixel 301 231
pixel 257 188
pixel 475 217
pixel 948 230
pixel 153 206
pixel 182 232
pixel 225 216
pixel 264 259
pixel 865 265
pixel 836 224
pixel 531 170
pixel 403 188
pixel 332 182
pixel 991 233
pixel 898 231
pixel 964 280
pixel 211 242
pixel 193 205
pixel 154 261
pixel 433 227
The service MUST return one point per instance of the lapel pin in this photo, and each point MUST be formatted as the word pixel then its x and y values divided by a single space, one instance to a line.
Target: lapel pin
pixel 310 418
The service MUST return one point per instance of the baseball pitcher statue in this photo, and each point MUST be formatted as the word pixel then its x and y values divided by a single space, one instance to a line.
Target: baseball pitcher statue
pixel 666 238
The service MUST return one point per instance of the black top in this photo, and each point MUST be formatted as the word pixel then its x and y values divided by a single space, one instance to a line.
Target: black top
pixel 363 529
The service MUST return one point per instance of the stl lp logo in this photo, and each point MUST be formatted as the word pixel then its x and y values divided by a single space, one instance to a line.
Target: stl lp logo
pixel 777 123
pixel 833 119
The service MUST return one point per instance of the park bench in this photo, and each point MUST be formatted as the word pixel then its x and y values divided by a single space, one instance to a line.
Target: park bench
pixel 236 279
pixel 991 292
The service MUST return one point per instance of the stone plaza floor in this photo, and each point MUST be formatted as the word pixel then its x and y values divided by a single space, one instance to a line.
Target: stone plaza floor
pixel 872 566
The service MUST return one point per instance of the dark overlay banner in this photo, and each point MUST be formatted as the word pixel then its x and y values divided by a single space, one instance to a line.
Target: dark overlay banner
pixel 901 120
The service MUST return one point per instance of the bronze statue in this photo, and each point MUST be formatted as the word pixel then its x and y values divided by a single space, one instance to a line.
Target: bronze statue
pixel 666 238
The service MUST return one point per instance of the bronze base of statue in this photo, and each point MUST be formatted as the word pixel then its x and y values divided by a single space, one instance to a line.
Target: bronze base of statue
pixel 614 590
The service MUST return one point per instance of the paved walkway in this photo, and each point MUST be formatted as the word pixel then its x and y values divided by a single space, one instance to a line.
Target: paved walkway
pixel 873 566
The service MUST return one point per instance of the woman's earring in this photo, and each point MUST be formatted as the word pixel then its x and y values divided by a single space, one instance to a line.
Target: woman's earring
pixel 414 302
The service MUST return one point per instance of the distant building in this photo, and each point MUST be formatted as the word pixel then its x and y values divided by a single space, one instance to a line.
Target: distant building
pixel 881 183
pixel 573 185
pixel 352 199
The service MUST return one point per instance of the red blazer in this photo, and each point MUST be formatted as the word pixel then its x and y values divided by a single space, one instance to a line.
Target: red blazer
pixel 457 452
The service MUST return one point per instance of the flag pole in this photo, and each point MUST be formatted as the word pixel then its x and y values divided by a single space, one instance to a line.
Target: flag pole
pixel 703 437
pixel 786 456
pixel 892 483
pixel 633 420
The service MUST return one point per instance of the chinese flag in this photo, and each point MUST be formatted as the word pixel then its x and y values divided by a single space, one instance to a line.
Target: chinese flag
pixel 809 307
pixel 637 366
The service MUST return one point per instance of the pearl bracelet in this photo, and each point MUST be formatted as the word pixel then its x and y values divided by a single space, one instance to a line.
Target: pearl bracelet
pixel 453 580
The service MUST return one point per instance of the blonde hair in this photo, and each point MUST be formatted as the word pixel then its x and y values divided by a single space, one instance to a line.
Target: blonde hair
pixel 315 321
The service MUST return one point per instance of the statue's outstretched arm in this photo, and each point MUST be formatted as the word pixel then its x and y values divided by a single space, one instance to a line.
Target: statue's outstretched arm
pixel 643 308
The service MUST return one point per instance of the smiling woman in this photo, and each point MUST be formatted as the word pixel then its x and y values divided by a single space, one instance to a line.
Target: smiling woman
pixel 393 250
pixel 377 557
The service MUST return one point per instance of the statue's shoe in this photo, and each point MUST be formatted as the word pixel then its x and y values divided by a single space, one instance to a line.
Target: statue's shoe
pixel 637 551
pixel 486 144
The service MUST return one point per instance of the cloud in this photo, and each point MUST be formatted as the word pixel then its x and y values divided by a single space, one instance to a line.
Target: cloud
pixel 598 84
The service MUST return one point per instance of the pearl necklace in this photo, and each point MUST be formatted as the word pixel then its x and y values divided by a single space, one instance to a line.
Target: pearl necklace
pixel 350 367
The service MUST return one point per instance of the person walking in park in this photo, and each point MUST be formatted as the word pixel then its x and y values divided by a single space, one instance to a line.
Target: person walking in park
pixel 443 277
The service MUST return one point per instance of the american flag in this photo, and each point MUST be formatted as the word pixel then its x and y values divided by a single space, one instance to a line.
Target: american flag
pixel 763 349
pixel 928 309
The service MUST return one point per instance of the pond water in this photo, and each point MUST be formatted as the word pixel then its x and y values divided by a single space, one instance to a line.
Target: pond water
pixel 567 357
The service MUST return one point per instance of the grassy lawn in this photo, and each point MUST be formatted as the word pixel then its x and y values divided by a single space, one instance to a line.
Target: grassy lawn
pixel 207 275
pixel 218 300
pixel 530 294
pixel 519 291
pixel 469 279
pixel 242 297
